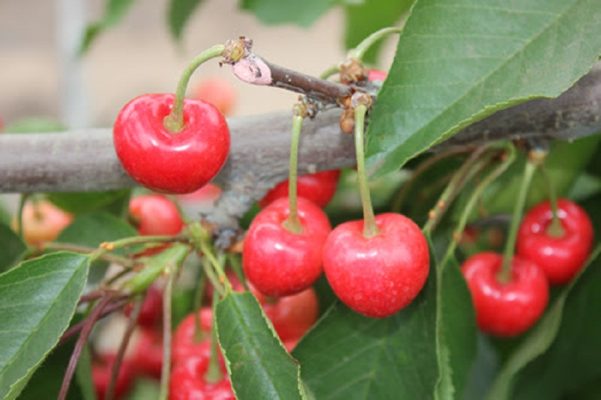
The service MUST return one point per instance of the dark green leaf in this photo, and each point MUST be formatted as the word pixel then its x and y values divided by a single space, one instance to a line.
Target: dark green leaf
pixel 273 12
pixel 458 61
pixel 12 247
pixel 366 18
pixel 566 345
pixel 179 13
pixel 114 11
pixel 259 366
pixel 422 352
pixel 80 202
pixel 92 229
pixel 37 300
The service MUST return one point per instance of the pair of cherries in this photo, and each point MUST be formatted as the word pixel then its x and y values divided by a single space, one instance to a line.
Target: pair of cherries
pixel 543 257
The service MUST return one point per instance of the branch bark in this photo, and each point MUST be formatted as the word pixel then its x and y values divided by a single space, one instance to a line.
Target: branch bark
pixel 84 160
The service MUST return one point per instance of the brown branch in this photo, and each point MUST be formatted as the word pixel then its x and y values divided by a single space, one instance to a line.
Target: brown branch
pixel 108 309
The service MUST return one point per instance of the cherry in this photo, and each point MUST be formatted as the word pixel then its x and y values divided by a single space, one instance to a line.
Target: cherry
pixel 187 382
pixel 279 262
pixel 151 312
pixel 165 161
pixel 101 375
pixel 505 309
pixel 379 275
pixel 43 222
pixel 154 214
pixel 319 188
pixel 376 75
pixel 560 256
pixel 147 357
pixel 218 92
pixel 292 316
pixel 185 343
pixel 209 193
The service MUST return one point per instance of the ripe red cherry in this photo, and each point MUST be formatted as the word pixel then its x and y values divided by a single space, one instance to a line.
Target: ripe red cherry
pixel 560 257
pixel 278 262
pixel 101 376
pixel 151 312
pixel 147 357
pixel 380 275
pixel 218 92
pixel 505 309
pixel 292 316
pixel 155 215
pixel 185 343
pixel 43 222
pixel 187 382
pixel 319 188
pixel 170 162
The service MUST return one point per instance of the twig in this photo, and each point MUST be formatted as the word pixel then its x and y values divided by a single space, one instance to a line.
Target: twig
pixel 124 261
pixel 120 303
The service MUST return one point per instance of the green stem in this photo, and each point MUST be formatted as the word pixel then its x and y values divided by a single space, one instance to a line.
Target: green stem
pixel 166 369
pixel 110 257
pixel 293 223
pixel 370 229
pixel 236 265
pixel 516 219
pixel 174 122
pixel 475 196
pixel 555 229
pixel 359 51
pixel 198 296
pixel 213 374
pixel 332 70
pixel 217 286
pixel 22 200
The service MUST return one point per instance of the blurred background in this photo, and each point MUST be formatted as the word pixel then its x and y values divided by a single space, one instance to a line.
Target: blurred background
pixel 42 75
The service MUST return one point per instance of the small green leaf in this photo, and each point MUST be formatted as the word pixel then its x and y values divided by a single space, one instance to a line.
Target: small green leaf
pixel 366 18
pixel 259 366
pixel 114 11
pixel 37 300
pixel 12 247
pixel 561 354
pixel 179 14
pixel 273 12
pixel 81 202
pixel 458 61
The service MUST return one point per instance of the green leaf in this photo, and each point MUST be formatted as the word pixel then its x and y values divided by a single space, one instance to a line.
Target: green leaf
pixel 35 125
pixel 458 61
pixel 258 364
pixel 272 12
pixel 37 300
pixel 114 11
pixel 12 247
pixel 366 18
pixel 179 14
pixel 81 202
pixel 83 374
pixel 93 229
pixel 568 318
pixel 423 352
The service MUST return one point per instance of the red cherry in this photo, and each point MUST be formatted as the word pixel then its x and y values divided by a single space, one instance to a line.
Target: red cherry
pixel 377 276
pixel 155 215
pixel 374 75
pixel 278 262
pixel 505 309
pixel 218 92
pixel 101 376
pixel 147 357
pixel 209 194
pixel 187 382
pixel 152 308
pixel 560 257
pixel 170 162
pixel 185 343
pixel 293 315
pixel 319 188
pixel 43 222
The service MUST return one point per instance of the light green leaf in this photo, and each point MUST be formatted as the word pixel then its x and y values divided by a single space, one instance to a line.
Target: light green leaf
pixel 81 202
pixel 114 11
pixel 179 14
pixel 259 366
pixel 273 12
pixel 458 61
pixel 37 300
pixel 12 247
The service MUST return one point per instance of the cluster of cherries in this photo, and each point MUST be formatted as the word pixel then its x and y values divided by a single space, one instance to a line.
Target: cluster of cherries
pixel 551 248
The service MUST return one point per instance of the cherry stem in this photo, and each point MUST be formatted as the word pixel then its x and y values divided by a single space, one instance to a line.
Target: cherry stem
pixel 359 51
pixel 509 158
pixel 123 261
pixel 129 330
pixel 370 229
pixel 198 296
pixel 236 265
pixel 293 223
pixel 213 374
pixel 463 175
pixel 166 368
pixel 555 229
pixel 332 70
pixel 504 275
pixel 174 122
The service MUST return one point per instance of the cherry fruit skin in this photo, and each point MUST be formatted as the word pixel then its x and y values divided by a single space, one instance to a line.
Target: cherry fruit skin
pixel 218 92
pixel 380 275
pixel 148 353
pixel 292 316
pixel 151 312
pixel 155 215
pixel 376 75
pixel 560 257
pixel 170 162
pixel 278 262
pixel 101 376
pixel 187 382
pixel 43 222
pixel 505 309
pixel 185 343
pixel 319 188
